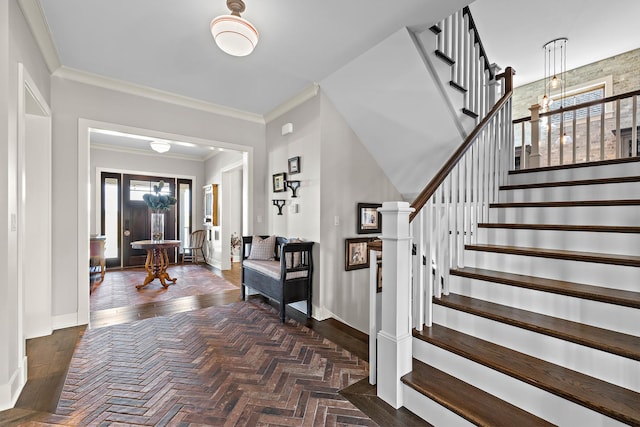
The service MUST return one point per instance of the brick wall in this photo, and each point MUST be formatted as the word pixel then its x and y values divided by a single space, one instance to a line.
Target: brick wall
pixel 624 70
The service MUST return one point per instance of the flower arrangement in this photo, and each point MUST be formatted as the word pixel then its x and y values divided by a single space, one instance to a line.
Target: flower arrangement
pixel 236 241
pixel 159 202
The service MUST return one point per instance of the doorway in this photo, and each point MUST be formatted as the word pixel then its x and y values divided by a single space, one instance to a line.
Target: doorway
pixel 33 220
pixel 125 217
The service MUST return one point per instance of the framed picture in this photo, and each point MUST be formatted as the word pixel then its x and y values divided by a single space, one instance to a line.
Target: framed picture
pixel 356 253
pixel 369 219
pixel 279 182
pixel 294 165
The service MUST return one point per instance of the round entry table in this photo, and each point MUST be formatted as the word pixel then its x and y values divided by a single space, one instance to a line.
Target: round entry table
pixel 157 260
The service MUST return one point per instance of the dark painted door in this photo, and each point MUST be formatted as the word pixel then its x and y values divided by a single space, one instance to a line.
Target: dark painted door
pixel 136 216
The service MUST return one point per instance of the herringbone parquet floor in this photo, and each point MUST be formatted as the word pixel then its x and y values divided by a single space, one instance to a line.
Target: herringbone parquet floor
pixel 118 288
pixel 227 366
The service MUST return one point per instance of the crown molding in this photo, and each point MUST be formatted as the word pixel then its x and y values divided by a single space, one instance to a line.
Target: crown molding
pixel 142 152
pixel 305 95
pixel 155 94
pixel 37 22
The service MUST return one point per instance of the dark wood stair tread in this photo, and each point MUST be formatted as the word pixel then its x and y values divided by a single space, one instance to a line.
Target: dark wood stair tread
pixel 564 227
pixel 626 260
pixel 569 204
pixel 444 57
pixel 471 403
pixel 616 180
pixel 624 345
pixel 611 400
pixel 577 290
pixel 457 86
pixel 575 165
pixel 470 113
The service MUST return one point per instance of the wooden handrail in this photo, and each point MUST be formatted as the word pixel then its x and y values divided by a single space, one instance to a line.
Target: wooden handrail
pixel 581 106
pixel 472 26
pixel 433 185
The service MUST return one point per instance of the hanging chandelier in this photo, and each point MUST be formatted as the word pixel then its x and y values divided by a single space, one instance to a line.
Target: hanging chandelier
pixel 555 69
pixel 234 35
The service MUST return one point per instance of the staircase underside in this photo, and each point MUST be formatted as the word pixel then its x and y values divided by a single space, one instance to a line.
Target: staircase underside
pixel 397 108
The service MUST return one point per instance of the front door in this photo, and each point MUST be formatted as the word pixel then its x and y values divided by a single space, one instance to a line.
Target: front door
pixel 136 216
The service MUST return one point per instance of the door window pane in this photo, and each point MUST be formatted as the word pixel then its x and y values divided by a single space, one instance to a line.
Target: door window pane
pixel 138 188
pixel 185 213
pixel 111 196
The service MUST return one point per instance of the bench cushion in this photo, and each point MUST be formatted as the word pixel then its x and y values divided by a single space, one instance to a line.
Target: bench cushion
pixel 272 269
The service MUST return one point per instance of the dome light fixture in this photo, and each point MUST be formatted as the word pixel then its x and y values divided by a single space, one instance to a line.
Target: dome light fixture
pixel 233 34
pixel 160 146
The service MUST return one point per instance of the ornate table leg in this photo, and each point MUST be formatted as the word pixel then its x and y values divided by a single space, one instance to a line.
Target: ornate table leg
pixel 149 265
pixel 164 263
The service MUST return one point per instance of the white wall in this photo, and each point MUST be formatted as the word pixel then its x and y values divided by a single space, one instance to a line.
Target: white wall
pixel 349 175
pixel 147 164
pixel 72 101
pixel 337 172
pixel 16 45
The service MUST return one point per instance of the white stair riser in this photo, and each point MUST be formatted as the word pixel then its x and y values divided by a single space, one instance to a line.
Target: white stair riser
pixel 431 411
pixel 592 172
pixel 586 241
pixel 589 361
pixel 532 399
pixel 626 190
pixel 575 215
pixel 602 315
pixel 626 278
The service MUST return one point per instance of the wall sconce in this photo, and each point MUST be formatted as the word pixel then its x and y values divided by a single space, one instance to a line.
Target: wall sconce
pixel 279 203
pixel 293 185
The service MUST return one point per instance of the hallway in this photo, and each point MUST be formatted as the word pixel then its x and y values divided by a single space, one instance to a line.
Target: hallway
pixel 200 358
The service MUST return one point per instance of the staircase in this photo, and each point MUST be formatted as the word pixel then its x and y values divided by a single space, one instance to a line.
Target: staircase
pixel 540 324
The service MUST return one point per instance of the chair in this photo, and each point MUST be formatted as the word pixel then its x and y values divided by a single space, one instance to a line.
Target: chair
pixel 196 243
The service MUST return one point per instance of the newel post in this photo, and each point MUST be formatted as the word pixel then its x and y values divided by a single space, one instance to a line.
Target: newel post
pixel 535 156
pixel 394 339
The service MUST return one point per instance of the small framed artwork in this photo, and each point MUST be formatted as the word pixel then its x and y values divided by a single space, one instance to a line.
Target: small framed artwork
pixel 279 182
pixel 369 219
pixel 294 165
pixel 356 253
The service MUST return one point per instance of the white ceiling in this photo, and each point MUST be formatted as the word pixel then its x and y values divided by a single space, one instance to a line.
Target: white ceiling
pixel 167 45
pixel 513 31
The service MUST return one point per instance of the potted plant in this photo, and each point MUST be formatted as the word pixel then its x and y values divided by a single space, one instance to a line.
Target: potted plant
pixel 159 204
pixel 236 241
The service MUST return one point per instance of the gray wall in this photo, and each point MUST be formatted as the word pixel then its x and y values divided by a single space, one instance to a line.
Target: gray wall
pixel 73 101
pixel 16 46
pixel 337 172
pixel 154 165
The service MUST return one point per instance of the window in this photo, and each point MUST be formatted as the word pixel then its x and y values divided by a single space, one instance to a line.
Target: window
pixel 588 95
pixel 137 189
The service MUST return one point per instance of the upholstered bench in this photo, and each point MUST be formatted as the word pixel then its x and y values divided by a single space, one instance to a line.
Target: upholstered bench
pixel 278 269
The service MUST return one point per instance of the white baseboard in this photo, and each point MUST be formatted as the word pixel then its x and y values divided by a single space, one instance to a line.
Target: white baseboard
pixel 65 321
pixel 10 391
pixel 321 313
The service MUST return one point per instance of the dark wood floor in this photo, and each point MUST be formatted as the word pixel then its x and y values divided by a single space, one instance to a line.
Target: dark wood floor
pixel 49 357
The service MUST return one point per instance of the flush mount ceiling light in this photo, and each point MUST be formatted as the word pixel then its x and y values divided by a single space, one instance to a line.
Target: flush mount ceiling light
pixel 160 146
pixel 234 35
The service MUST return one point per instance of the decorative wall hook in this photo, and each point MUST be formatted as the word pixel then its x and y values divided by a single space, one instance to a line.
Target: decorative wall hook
pixel 293 185
pixel 279 203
